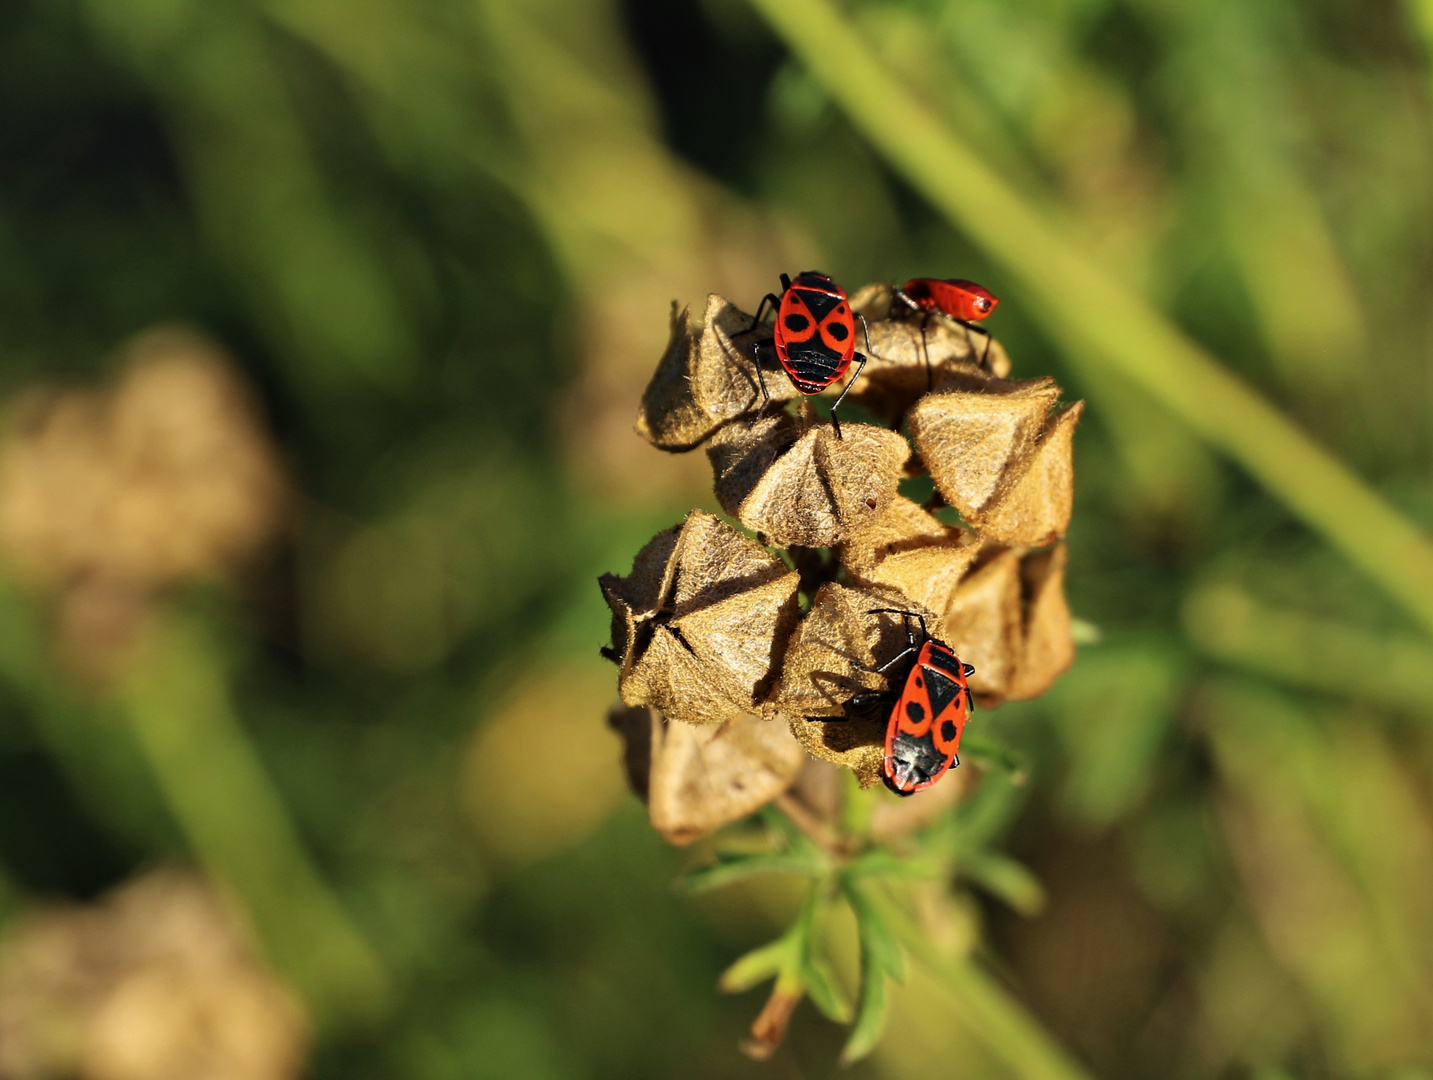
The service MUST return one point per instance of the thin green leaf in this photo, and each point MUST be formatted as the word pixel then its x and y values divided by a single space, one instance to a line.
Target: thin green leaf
pixel 1005 878
pixel 882 862
pixel 758 965
pixel 880 957
pixel 878 945
pixel 871 1020
pixel 825 989
pixel 728 870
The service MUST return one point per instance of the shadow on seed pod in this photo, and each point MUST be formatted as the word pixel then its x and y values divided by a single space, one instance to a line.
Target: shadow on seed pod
pixel 697 779
pixel 796 484
pixel 998 455
pixel 1049 648
pixel 984 622
pixel 704 379
pixel 699 625
pixel 831 658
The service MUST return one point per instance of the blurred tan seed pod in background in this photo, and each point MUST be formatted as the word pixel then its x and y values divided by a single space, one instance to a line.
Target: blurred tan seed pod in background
pixel 155 981
pixel 109 497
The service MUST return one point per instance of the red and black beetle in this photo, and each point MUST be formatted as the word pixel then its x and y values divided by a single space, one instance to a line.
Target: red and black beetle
pixel 927 714
pixel 814 335
pixel 964 301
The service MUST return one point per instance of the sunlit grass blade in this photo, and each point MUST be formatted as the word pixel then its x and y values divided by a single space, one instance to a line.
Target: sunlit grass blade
pixel 1294 647
pixel 1084 306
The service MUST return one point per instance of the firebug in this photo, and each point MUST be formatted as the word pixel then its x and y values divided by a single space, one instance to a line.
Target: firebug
pixel 814 336
pixel 927 713
pixel 964 301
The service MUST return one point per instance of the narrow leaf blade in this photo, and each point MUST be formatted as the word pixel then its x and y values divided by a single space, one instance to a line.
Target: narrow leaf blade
pixel 727 871
pixel 757 966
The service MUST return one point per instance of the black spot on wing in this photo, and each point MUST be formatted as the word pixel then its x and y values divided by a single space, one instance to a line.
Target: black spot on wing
pixel 838 331
pixel 915 711
pixel 948 731
pixel 797 322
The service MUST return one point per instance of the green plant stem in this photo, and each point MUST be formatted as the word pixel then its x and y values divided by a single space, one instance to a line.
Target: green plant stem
pixel 1007 1030
pixel 177 703
pixel 1083 305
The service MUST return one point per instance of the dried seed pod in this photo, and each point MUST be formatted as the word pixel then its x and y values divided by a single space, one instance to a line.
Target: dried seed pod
pixel 984 626
pixel 797 484
pixel 1035 511
pixel 698 626
pixel 970 439
pixel 1048 649
pixel 704 379
pixel 832 657
pixel 913 552
pixel 999 458
pixel 701 778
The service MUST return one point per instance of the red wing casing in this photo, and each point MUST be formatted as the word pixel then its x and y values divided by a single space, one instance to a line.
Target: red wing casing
pixel 815 333
pixel 924 730
pixel 954 297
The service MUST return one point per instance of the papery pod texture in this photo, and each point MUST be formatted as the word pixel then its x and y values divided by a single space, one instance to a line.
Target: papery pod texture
pixel 706 628
pixel 697 779
pixel 699 624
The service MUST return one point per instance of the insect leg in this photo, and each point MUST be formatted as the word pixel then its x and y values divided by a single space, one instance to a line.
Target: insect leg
pixel 969 326
pixel 925 351
pixel 773 300
pixel 760 379
pixel 896 659
pixel 868 702
pixel 860 365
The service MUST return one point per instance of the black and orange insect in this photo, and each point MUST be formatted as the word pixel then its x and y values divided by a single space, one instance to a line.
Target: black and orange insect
pixel 814 336
pixel 927 714
pixel 964 301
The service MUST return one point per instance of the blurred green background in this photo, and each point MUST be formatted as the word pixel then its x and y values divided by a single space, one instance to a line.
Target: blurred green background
pixel 440 241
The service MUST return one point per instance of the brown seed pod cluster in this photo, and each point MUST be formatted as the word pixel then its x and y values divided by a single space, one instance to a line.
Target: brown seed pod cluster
pixel 709 629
